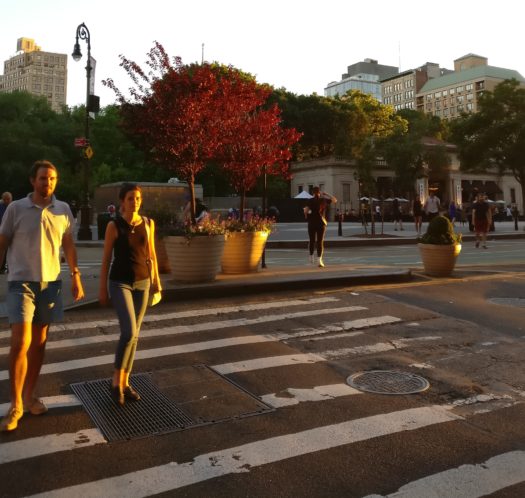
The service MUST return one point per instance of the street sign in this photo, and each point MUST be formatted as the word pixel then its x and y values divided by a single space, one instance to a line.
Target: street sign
pixel 88 152
pixel 81 142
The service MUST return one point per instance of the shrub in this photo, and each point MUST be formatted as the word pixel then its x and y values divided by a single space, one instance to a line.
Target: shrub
pixel 440 231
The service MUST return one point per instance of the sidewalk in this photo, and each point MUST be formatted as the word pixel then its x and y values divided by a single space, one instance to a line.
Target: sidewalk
pixel 291 236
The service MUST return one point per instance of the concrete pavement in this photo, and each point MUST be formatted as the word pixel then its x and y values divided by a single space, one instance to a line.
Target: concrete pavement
pixel 301 276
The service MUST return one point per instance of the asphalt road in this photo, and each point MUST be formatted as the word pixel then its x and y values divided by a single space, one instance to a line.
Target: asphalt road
pixel 464 436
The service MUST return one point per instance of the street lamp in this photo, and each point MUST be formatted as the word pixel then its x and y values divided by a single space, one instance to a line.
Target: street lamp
pixel 84 232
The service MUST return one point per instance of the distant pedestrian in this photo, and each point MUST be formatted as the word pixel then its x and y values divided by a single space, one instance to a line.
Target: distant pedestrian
pixel 396 213
pixel 417 211
pixel 34 295
pixel 432 206
pixel 481 219
pixel 133 276
pixel 314 212
pixel 452 212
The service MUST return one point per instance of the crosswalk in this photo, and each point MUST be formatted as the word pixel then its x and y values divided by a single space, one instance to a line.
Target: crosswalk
pixel 293 354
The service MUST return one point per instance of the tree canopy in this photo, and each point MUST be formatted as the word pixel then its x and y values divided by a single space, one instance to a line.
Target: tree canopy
pixel 494 137
pixel 185 116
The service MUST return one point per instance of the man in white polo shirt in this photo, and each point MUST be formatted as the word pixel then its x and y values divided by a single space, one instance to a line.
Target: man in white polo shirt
pixel 34 229
pixel 432 206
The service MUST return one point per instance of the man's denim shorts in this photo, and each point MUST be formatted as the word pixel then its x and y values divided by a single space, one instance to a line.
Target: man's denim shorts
pixel 34 302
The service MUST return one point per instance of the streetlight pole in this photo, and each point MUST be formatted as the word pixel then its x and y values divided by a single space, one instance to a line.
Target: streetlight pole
pixel 84 232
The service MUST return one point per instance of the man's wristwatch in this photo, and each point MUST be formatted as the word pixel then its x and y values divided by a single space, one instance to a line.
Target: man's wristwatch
pixel 75 271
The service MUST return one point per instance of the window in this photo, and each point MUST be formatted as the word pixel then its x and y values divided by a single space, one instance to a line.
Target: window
pixel 299 189
pixel 513 195
pixel 469 107
pixel 445 93
pixel 437 95
pixel 452 91
pixel 346 192
pixel 459 89
pixel 468 87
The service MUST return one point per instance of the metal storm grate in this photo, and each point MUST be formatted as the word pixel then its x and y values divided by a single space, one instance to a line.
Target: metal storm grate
pixel 153 414
pixel 171 400
pixel 388 382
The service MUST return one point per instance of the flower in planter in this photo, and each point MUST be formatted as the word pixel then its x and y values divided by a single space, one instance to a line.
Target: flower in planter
pixel 252 224
pixel 207 227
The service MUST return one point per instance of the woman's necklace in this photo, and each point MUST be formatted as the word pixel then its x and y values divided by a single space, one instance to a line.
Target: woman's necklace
pixel 133 225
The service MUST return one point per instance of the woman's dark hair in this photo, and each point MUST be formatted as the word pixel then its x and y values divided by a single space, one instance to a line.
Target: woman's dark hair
pixel 127 187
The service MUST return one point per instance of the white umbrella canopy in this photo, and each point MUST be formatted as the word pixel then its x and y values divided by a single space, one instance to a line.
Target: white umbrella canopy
pixel 303 195
pixel 366 199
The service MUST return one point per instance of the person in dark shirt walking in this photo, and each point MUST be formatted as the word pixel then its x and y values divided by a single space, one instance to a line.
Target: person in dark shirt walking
pixel 133 276
pixel 315 215
pixel 481 219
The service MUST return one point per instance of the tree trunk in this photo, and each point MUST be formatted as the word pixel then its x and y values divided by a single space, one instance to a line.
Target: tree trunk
pixel 191 185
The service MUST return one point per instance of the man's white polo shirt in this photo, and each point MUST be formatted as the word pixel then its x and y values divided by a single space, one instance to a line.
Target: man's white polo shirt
pixel 35 236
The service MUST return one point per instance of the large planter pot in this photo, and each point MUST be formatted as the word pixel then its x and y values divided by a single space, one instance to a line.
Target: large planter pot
pixel 439 260
pixel 243 252
pixel 162 256
pixel 194 260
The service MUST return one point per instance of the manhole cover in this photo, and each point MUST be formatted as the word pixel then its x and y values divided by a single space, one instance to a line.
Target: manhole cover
pixel 388 382
pixel 519 302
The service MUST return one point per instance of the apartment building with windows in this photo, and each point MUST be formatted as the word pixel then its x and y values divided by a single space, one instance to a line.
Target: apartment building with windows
pixel 364 76
pixel 458 92
pixel 37 72
pixel 400 90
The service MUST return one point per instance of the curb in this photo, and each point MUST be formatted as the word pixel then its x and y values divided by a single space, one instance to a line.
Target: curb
pixel 377 241
pixel 271 283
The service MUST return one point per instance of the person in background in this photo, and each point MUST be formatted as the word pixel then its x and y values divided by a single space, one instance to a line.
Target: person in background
pixel 417 211
pixel 452 212
pixel 396 214
pixel 314 212
pixel 481 219
pixel 432 205
pixel 130 238
pixel 34 292
pixel 6 200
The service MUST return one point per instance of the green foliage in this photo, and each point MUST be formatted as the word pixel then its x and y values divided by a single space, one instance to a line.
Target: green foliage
pixel 441 232
pixel 252 224
pixel 406 154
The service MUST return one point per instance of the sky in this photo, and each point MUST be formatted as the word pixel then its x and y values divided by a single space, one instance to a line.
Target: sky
pixel 301 45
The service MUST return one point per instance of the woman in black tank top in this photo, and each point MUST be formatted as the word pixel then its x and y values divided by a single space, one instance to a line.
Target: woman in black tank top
pixel 130 239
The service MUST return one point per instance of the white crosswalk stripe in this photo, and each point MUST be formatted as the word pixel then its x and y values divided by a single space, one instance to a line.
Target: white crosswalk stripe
pixel 263 330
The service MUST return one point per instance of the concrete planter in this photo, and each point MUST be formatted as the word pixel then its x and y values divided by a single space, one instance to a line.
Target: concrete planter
pixel 162 256
pixel 194 260
pixel 439 260
pixel 243 252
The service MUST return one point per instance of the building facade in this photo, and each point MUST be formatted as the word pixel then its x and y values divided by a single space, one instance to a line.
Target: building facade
pixel 458 92
pixel 364 76
pixel 37 72
pixel 400 91
pixel 339 177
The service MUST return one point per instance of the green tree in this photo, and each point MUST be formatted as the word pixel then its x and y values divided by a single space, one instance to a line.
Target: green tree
pixel 405 151
pixel 31 130
pixel 494 137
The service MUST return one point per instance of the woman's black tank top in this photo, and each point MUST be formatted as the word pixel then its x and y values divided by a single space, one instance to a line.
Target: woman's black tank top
pixel 130 253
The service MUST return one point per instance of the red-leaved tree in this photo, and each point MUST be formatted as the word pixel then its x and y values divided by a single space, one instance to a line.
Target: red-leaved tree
pixel 256 145
pixel 183 114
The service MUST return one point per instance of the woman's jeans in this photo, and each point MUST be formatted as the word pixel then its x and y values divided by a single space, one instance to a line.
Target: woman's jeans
pixel 130 302
pixel 316 230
